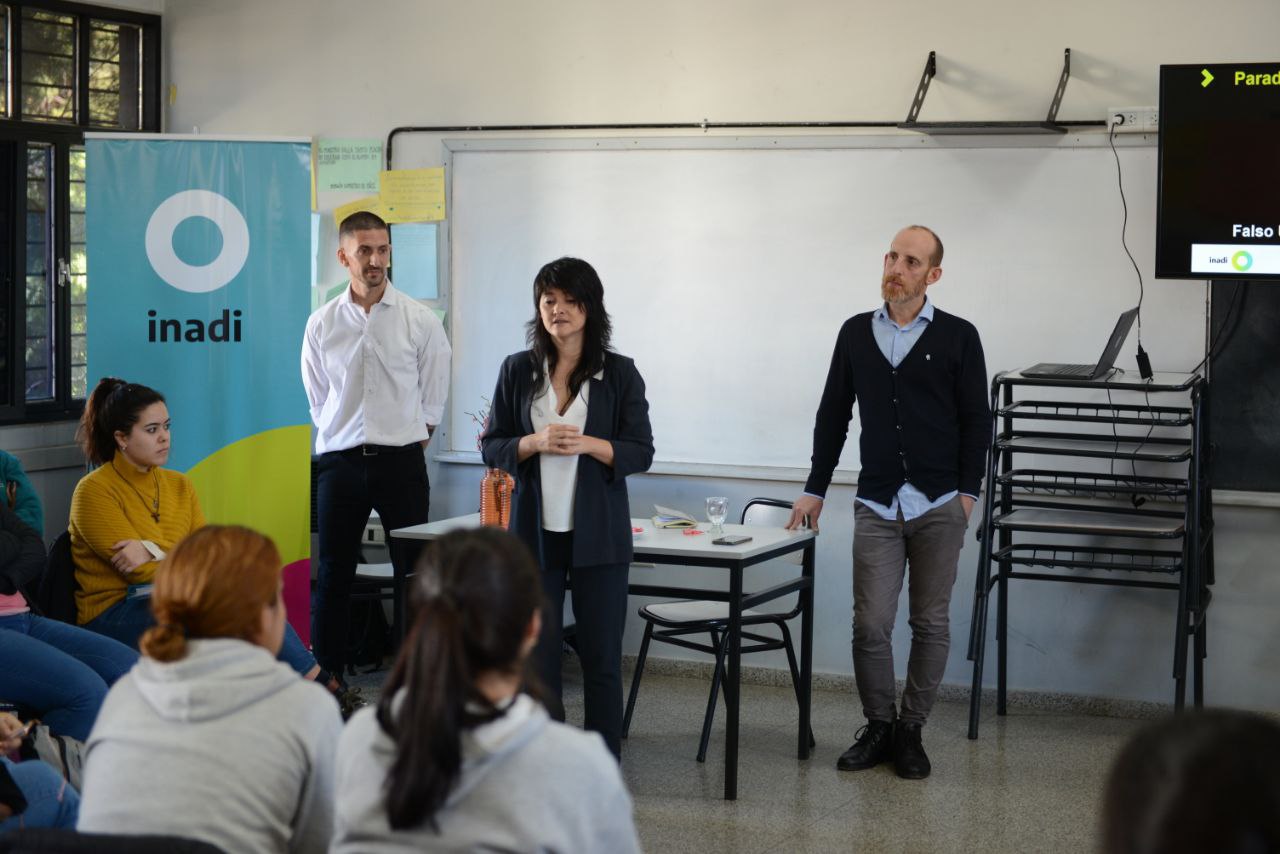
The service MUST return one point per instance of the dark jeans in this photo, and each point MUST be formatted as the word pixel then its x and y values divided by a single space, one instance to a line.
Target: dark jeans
pixel 51 802
pixel 600 614
pixel 59 670
pixel 882 551
pixel 349 485
pixel 129 618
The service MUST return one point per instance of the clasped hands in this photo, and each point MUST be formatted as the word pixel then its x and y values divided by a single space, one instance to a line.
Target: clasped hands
pixel 562 440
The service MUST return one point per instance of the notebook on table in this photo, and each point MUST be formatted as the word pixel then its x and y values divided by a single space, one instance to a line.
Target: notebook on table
pixel 1053 370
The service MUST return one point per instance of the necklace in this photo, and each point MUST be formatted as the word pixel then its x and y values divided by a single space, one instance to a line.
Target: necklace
pixel 154 502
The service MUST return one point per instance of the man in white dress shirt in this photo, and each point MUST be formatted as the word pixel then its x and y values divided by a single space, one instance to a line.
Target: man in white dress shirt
pixel 375 364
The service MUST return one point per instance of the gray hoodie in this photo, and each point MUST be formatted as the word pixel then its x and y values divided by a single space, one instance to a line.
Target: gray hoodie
pixel 226 745
pixel 527 784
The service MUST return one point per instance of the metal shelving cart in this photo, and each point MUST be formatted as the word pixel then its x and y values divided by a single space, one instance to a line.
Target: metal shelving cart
pixel 1087 491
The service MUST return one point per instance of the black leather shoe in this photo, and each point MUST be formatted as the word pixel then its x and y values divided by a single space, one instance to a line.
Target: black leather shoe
pixel 909 759
pixel 873 745
pixel 350 701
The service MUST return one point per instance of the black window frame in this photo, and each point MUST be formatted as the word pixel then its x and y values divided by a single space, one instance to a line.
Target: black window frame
pixel 20 132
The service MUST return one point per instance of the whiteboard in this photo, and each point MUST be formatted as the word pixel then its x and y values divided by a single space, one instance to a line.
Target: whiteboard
pixel 729 265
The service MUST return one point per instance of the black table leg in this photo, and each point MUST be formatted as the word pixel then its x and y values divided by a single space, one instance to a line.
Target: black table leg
pixel 399 582
pixel 733 682
pixel 806 653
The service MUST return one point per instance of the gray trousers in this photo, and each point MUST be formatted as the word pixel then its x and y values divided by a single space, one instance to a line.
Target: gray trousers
pixel 882 550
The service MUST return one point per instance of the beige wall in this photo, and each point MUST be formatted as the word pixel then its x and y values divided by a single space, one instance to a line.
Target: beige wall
pixel 318 66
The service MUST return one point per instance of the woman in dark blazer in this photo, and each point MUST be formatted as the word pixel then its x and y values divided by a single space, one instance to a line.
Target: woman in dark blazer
pixel 570 422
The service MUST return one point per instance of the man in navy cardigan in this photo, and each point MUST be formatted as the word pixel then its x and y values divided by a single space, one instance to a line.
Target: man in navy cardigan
pixel 920 380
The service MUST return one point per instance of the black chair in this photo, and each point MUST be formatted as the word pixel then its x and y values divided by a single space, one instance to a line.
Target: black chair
pixel 672 622
pixel 376 580
pixel 56 592
pixel 373 583
pixel 44 841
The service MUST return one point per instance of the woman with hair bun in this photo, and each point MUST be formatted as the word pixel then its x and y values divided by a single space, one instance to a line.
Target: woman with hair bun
pixel 458 756
pixel 209 737
pixel 127 513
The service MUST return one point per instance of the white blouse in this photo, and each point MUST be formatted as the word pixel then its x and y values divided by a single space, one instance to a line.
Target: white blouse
pixel 559 473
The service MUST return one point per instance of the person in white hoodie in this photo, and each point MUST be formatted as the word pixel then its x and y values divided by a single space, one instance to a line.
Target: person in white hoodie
pixel 456 757
pixel 209 737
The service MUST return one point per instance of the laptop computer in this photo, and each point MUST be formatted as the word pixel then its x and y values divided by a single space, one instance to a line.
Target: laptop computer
pixel 1051 370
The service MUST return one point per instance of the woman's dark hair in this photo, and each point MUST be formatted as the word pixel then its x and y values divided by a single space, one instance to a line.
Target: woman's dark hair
pixel 578 281
pixel 1198 781
pixel 474 595
pixel 114 406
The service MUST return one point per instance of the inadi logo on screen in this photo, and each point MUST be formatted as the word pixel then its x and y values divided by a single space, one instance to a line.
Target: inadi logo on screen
pixel 223 328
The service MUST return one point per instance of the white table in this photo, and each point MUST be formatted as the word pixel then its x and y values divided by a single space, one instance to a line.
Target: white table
pixel 674 547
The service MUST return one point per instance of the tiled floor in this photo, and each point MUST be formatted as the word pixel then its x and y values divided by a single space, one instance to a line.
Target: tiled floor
pixel 1031 782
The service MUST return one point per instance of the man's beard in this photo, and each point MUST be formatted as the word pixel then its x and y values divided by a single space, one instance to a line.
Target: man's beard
pixel 906 294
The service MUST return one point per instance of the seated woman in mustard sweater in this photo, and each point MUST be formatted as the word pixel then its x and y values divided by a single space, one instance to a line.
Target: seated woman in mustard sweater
pixel 129 512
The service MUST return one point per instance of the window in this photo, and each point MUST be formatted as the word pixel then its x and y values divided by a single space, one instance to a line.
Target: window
pixel 39 306
pixel 4 66
pixel 48 64
pixel 65 68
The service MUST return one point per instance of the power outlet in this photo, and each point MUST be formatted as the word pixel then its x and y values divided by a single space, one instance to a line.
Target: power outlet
pixel 1133 119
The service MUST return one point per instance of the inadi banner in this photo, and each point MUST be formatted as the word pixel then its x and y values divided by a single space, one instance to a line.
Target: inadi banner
pixel 199 270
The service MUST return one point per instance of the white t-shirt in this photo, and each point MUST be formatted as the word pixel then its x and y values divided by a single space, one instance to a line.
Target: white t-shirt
pixel 559 473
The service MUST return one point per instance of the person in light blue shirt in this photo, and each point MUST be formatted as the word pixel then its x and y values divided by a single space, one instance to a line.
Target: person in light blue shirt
pixel 920 380
pixel 895 342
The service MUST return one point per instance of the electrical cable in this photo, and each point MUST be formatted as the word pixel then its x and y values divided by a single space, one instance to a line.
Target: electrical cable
pixel 1144 361
pixel 1136 499
pixel 1111 138
pixel 1229 323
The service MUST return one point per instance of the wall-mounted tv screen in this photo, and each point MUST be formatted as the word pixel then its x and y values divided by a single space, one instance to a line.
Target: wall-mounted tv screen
pixel 1218 211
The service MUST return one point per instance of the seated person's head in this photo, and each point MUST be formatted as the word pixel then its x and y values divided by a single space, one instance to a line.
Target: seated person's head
pixel 127 418
pixel 477 600
pixel 1196 782
pixel 222 581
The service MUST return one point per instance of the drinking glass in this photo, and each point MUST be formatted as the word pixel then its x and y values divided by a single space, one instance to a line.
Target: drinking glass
pixel 717 509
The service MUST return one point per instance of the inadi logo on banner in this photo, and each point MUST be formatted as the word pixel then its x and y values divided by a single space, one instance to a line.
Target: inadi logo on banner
pixel 220 329
pixel 192 278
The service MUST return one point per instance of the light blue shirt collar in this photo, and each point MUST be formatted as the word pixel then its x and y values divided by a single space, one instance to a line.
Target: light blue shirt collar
pixel 925 315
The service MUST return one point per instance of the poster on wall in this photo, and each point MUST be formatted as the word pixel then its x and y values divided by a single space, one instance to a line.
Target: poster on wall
pixel 199 259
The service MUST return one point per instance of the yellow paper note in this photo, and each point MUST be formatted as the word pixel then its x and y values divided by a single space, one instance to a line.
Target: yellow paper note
pixel 372 204
pixel 412 195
